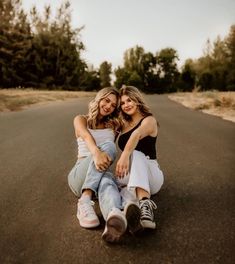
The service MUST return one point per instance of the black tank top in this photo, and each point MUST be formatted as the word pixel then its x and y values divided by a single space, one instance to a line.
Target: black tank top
pixel 147 145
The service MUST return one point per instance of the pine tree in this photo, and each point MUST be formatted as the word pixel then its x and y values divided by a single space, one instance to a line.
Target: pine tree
pixel 104 72
pixel 15 41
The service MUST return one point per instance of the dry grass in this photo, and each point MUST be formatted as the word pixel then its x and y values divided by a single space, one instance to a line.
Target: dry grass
pixel 215 103
pixel 17 99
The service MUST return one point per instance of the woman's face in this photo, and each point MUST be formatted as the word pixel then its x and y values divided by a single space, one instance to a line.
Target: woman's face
pixel 108 105
pixel 128 106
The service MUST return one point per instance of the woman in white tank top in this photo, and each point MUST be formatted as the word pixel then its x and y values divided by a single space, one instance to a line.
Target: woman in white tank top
pixel 91 175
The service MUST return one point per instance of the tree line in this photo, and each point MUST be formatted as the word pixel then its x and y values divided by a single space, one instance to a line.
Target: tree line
pixel 45 52
pixel 159 73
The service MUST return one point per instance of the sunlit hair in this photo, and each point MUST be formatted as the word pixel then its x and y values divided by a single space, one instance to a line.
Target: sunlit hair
pixel 134 94
pixel 112 120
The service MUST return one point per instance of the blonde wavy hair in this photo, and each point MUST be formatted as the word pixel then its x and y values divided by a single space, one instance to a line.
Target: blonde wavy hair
pixel 111 121
pixel 137 97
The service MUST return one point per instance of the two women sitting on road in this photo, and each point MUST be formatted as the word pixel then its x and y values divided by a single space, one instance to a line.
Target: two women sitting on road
pixel 124 198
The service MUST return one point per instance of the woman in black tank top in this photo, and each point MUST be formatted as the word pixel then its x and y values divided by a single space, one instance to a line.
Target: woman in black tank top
pixel 137 167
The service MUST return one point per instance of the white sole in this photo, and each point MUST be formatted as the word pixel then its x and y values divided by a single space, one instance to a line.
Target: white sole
pixel 114 229
pixel 87 225
pixel 148 224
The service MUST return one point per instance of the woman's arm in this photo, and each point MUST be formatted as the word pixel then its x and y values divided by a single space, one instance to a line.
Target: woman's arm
pixel 148 127
pixel 101 159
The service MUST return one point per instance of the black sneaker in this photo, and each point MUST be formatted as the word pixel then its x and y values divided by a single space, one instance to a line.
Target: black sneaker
pixel 132 213
pixel 147 216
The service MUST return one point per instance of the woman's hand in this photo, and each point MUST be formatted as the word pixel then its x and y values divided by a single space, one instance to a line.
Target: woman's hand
pixel 122 167
pixel 102 160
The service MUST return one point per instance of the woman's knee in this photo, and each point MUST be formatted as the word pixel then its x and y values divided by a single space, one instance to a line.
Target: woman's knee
pixel 157 183
pixel 107 180
pixel 72 184
pixel 75 181
pixel 110 148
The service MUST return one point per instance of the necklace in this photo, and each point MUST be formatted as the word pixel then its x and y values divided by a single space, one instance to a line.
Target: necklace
pixel 133 124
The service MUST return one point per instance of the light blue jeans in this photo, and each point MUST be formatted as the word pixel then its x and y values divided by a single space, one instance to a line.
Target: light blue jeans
pixel 108 194
pixel 84 175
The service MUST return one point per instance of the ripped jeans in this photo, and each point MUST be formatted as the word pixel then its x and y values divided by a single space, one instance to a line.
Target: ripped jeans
pixel 84 175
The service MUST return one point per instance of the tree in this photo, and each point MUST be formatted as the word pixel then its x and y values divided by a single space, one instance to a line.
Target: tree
pixel 206 81
pixel 15 42
pixel 167 68
pixel 90 80
pixel 55 54
pixel 104 71
pixel 133 59
pixel 187 78
pixel 230 43
pixel 42 51
pixel 214 68
pixel 122 76
pixel 219 64
pixel 135 80
pixel 139 69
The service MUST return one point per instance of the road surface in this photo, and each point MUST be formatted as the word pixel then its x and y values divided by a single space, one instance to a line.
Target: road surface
pixel 196 212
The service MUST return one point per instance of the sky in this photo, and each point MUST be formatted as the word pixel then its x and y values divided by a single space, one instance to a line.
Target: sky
pixel 113 26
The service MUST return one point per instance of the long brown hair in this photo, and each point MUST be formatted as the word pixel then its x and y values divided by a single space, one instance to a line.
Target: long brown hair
pixel 137 97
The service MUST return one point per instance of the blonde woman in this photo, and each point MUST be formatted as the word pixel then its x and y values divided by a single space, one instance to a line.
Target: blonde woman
pixel 137 167
pixel 91 175
pixel 95 134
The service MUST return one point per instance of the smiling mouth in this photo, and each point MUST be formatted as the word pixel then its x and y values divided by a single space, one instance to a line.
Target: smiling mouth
pixel 127 109
pixel 106 111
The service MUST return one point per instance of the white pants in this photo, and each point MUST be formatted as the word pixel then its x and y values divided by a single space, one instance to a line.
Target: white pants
pixel 144 173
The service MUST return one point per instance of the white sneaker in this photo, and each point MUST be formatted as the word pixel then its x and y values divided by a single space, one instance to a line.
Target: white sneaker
pixel 132 213
pixel 115 227
pixel 86 213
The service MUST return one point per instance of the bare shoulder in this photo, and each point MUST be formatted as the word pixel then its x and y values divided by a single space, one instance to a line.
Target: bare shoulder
pixel 149 125
pixel 79 119
pixel 79 122
pixel 149 120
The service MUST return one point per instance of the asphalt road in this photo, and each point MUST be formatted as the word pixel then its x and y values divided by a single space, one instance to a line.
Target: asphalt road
pixel 196 212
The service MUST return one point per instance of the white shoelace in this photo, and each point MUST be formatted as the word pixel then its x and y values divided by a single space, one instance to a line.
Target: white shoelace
pixel 147 206
pixel 86 208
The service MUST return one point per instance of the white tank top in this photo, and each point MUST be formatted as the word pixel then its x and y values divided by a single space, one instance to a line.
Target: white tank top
pixel 99 135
